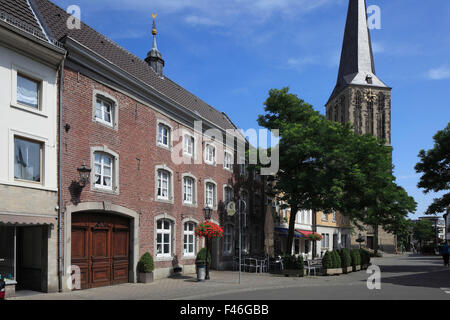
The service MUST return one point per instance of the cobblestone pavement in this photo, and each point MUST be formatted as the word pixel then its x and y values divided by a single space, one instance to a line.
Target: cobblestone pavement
pixel 403 276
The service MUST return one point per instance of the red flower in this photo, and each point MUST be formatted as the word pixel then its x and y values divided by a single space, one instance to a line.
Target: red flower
pixel 209 230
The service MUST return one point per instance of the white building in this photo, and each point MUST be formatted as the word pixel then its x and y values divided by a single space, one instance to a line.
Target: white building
pixel 29 64
pixel 335 231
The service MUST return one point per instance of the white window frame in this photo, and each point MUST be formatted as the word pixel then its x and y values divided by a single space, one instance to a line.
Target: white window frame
pixel 185 177
pixel 105 98
pixel 334 216
pixel 186 139
pixel 163 123
pixel 225 187
pixel 208 147
pixel 228 165
pixel 163 232
pixel 42 80
pixel 209 182
pixel 194 243
pixel 169 198
pixel 41 159
pixel 114 170
pixel 228 237
pixel 324 217
pixel 163 178
pixel 103 166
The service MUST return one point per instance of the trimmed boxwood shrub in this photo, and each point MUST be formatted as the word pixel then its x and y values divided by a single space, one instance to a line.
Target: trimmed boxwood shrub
pixel 293 262
pixel 346 260
pixel 201 256
pixel 365 257
pixel 145 264
pixel 356 257
pixel 327 260
pixel 336 259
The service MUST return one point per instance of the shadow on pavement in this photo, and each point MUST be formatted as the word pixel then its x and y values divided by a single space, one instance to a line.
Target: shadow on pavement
pixel 438 279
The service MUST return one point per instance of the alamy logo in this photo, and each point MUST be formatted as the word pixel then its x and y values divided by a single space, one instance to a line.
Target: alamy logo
pixel 374 281
pixel 74 20
pixel 374 17
pixel 74 279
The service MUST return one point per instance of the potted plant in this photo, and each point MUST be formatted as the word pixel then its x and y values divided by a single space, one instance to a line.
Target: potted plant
pixel 346 260
pixel 356 259
pixel 145 268
pixel 200 264
pixel 209 230
pixel 365 258
pixel 331 263
pixel 293 266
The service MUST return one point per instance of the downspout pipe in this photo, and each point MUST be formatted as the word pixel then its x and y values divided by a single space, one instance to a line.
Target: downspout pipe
pixel 60 204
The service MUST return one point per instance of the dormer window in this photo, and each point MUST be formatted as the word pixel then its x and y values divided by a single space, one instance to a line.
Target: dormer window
pixel 369 79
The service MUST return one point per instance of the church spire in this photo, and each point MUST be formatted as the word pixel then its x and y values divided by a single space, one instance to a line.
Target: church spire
pixel 357 64
pixel 154 57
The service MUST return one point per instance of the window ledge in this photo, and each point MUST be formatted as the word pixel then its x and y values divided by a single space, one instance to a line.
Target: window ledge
pixel 29 109
pixel 29 185
pixel 168 148
pixel 188 257
pixel 163 259
pixel 190 205
pixel 106 124
pixel 164 201
pixel 108 191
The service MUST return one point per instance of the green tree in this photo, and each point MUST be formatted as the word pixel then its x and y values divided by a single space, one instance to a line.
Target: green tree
pixel 423 231
pixel 434 165
pixel 309 146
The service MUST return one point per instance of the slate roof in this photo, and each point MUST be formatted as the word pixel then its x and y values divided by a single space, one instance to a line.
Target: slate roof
pixel 20 10
pixel 357 56
pixel 54 20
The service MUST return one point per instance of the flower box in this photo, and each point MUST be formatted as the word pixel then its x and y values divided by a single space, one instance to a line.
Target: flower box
pixel 347 270
pixel 145 277
pixel 332 272
pixel 293 273
pixel 357 268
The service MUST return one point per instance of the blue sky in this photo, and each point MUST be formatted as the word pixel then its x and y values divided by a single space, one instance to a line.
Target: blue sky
pixel 230 53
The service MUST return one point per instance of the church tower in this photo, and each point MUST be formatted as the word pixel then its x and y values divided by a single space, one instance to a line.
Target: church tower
pixel 360 97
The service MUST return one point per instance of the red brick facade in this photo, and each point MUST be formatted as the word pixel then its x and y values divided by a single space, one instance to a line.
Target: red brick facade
pixel 135 142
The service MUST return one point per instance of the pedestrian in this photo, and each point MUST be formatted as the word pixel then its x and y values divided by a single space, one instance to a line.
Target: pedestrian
pixel 445 250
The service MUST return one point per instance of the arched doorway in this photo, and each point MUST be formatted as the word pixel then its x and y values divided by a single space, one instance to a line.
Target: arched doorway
pixel 100 248
pixel 111 233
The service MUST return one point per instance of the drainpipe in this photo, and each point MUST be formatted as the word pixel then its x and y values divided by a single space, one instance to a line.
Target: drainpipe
pixel 60 132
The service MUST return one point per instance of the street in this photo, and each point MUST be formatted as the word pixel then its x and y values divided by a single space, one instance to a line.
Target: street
pixel 402 277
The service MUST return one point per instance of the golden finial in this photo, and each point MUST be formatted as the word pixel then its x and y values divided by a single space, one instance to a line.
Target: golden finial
pixel 154 32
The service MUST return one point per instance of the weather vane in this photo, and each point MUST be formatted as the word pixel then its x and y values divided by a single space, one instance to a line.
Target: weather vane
pixel 154 32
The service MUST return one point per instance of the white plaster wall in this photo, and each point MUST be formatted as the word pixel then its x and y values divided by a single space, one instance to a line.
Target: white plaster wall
pixel 35 125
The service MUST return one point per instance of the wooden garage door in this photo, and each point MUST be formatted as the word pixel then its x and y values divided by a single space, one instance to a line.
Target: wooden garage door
pixel 100 247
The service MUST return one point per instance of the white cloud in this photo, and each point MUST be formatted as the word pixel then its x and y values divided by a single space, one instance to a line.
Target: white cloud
pixel 439 73
pixel 377 47
pixel 202 21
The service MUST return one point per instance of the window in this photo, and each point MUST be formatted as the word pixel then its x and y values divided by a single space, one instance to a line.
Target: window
pixel 228 194
pixel 188 190
pixel 27 160
pixel 163 238
pixel 103 171
pixel 324 216
pixel 343 219
pixel 334 216
pixel 189 239
pixel 228 239
pixel 104 111
pixel 325 240
pixel 163 184
pixel 210 195
pixel 28 91
pixel 188 146
pixel 210 154
pixel 228 161
pixel 163 135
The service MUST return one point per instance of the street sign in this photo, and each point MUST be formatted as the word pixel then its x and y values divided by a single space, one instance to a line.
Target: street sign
pixel 231 208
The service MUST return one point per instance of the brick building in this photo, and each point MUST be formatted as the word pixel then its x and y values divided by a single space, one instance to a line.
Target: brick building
pixel 157 154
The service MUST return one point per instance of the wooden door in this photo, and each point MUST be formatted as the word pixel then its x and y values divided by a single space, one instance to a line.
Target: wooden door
pixel 100 247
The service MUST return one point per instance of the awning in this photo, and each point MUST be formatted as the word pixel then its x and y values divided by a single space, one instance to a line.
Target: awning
pixel 305 233
pixel 284 232
pixel 26 220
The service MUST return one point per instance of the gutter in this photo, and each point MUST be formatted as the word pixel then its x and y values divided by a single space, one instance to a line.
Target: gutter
pixel 60 131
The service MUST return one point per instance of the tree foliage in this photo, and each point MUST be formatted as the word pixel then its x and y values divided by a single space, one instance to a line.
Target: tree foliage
pixel 325 166
pixel 423 231
pixel 434 165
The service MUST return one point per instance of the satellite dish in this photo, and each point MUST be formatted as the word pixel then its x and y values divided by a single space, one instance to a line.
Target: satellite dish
pixel 231 208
